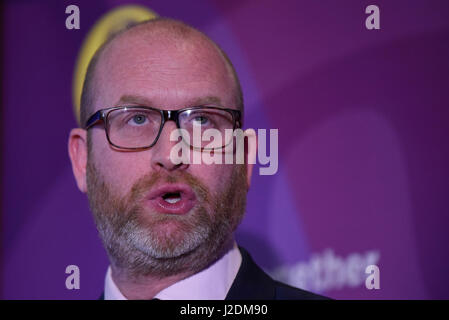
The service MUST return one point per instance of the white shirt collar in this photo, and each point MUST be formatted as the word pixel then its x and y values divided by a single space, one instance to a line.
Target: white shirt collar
pixel 212 283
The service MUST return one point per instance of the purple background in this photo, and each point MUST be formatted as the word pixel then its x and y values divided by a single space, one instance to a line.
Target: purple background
pixel 363 119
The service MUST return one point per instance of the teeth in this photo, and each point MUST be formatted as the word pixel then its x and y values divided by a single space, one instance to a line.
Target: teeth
pixel 172 200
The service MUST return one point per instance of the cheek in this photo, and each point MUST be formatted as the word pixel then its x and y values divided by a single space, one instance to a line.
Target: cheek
pixel 121 172
pixel 215 177
pixel 119 169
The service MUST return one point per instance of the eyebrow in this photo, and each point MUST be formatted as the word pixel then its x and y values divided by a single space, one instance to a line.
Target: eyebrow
pixel 134 99
pixel 144 101
pixel 206 100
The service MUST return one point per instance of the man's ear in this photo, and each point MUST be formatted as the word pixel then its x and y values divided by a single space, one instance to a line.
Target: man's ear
pixel 78 156
pixel 251 151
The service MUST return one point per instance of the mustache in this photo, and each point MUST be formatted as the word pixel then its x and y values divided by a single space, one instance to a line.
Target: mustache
pixel 143 185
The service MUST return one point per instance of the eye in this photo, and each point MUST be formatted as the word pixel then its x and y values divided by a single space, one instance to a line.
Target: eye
pixel 138 120
pixel 200 120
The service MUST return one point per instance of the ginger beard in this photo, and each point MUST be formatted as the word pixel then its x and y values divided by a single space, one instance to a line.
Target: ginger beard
pixel 140 242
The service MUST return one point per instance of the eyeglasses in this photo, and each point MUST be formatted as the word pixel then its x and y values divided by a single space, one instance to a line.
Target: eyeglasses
pixel 139 127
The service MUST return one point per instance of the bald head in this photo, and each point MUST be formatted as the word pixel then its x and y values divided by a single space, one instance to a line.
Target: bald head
pixel 165 50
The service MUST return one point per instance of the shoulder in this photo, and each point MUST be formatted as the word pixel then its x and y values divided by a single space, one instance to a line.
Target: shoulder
pixel 252 282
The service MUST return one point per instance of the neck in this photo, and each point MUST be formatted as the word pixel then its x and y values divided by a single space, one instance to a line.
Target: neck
pixel 148 286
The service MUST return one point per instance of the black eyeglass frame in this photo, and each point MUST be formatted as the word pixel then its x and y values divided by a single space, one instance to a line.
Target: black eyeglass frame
pixel 166 115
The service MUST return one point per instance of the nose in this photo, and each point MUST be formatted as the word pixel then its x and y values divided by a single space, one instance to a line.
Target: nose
pixel 160 159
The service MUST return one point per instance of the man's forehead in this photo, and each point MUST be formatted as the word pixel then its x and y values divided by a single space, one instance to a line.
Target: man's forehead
pixel 162 59
pixel 160 42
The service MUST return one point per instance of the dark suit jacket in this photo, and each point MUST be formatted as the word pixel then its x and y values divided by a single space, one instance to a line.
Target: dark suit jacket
pixel 252 283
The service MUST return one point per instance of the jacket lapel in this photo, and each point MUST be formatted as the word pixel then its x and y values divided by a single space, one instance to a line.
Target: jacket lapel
pixel 251 282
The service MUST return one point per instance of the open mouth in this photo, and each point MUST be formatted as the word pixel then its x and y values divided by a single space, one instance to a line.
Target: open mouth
pixel 172 199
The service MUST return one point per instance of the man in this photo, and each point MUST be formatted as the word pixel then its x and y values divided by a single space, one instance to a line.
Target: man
pixel 167 226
